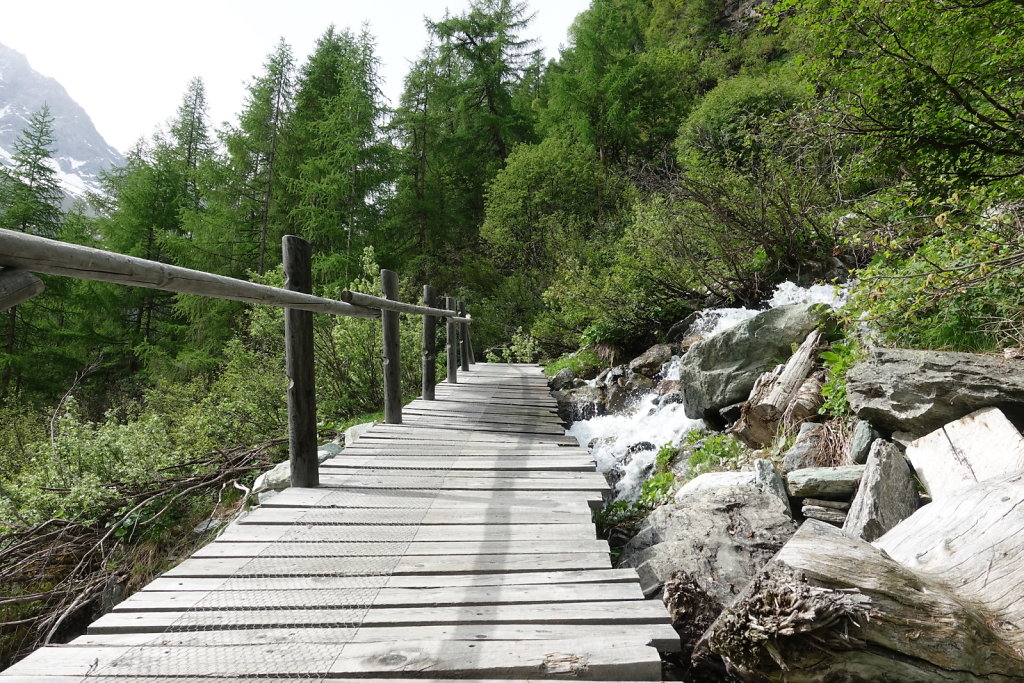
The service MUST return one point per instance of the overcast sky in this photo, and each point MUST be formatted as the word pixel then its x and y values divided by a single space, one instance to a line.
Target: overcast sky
pixel 127 62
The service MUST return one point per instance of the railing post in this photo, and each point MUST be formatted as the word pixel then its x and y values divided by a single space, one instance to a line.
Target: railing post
pixel 392 347
pixel 469 338
pixel 429 344
pixel 463 335
pixel 452 342
pixel 298 335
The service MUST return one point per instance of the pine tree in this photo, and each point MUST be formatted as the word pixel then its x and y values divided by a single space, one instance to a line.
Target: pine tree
pixel 339 161
pixel 30 199
pixel 31 195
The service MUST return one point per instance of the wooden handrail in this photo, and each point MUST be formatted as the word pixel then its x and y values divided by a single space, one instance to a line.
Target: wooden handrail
pixel 22 254
pixel 385 304
pixel 52 257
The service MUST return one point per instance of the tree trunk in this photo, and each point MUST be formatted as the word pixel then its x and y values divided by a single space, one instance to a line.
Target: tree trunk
pixel 935 599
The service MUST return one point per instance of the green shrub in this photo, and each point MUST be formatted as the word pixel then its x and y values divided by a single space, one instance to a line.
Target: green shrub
pixel 841 356
pixel 580 362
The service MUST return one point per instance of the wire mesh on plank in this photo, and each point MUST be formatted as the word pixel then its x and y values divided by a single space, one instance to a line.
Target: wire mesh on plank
pixel 288 611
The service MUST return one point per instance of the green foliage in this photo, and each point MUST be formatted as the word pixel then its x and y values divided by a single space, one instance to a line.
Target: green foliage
pixel 708 452
pixel 933 82
pixel 656 489
pixel 580 362
pixel 727 123
pixel 841 356
pixel 957 285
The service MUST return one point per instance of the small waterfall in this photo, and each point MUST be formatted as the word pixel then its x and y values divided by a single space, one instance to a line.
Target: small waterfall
pixel 625 445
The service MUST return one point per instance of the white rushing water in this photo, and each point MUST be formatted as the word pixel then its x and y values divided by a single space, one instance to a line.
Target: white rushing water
pixel 626 444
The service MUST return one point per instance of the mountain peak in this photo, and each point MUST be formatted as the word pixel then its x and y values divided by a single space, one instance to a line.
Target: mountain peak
pixel 80 152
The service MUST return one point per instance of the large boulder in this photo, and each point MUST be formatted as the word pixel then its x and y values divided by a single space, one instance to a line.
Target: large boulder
pixel 718 535
pixel 901 390
pixel 721 370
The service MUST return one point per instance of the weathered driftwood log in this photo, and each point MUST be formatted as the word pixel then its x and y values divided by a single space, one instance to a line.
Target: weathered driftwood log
pixel 824 514
pixel 938 599
pixel 775 391
pixel 979 446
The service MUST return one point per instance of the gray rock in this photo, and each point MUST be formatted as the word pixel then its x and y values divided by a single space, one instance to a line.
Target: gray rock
pixel 720 536
pixel 919 391
pixel 860 442
pixel 666 386
pixel 561 378
pixel 670 398
pixel 824 482
pixel 886 495
pixel 625 391
pixel 581 403
pixel 650 361
pixel 353 433
pixel 768 479
pixel 681 330
pixel 804 452
pixel 721 370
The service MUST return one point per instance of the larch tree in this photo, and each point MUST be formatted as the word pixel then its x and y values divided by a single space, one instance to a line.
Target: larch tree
pixel 30 202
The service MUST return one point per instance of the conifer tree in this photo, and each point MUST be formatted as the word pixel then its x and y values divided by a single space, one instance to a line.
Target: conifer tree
pixel 339 162
pixel 31 195
pixel 30 199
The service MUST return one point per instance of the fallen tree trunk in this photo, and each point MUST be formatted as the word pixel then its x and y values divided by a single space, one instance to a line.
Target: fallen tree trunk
pixel 775 391
pixel 936 599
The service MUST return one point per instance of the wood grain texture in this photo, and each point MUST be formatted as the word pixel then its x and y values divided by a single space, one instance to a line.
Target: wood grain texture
pixel 460 546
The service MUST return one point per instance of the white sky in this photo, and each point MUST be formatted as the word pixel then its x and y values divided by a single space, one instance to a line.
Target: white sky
pixel 127 62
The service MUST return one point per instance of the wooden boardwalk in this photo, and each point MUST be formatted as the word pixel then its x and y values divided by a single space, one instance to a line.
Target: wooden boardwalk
pixel 456 545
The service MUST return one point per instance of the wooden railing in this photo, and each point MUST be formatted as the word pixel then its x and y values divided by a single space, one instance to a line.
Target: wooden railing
pixel 21 255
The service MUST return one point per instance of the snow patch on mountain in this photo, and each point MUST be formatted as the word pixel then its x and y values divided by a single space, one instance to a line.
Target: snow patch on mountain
pixel 80 153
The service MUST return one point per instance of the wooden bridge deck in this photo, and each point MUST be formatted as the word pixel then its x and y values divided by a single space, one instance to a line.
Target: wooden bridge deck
pixel 456 545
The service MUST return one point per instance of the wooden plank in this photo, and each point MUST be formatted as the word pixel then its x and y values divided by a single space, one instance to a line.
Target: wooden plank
pixel 579 613
pixel 597 659
pixel 400 532
pixel 329 516
pixel 165 583
pixel 566 463
pixel 563 480
pixel 429 355
pixel 298 337
pixel 410 564
pixel 413 498
pixel 470 483
pixel 395 548
pixel 336 598
pixel 41 255
pixel 661 636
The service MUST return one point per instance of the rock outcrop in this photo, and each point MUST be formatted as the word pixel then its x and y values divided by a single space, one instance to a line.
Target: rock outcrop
pixel 721 370
pixel 917 392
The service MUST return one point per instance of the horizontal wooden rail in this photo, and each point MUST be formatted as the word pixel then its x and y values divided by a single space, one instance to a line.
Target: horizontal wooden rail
pixel 370 301
pixel 41 255
pixel 22 254
pixel 17 286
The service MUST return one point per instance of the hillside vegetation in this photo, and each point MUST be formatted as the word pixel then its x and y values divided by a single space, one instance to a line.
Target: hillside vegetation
pixel 679 154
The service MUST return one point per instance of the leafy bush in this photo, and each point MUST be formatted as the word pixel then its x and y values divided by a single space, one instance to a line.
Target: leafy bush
pixel 580 362
pixel 954 281
pixel 712 452
pixel 840 357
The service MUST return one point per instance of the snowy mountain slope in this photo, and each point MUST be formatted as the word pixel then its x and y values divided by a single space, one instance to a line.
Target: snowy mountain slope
pixel 80 152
